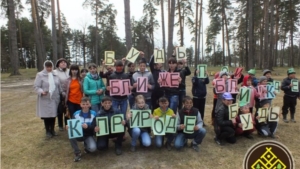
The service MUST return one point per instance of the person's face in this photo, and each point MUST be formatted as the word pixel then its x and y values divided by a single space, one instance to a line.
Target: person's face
pixel 188 104
pixel 49 69
pixel 268 75
pixel 264 82
pixel 142 67
pixel 267 105
pixel 106 105
pixel 172 66
pixel 252 75
pixel 158 66
pixel 62 65
pixel 249 82
pixel 93 70
pixel 164 105
pixel 74 72
pixel 119 68
pixel 245 109
pixel 85 105
pixel 109 68
pixel 131 68
pixel 227 102
pixel 180 66
pixel 83 74
pixel 140 103
pixel 292 76
pixel 224 76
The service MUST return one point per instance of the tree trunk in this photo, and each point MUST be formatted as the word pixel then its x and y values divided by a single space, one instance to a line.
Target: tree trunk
pixel 54 36
pixel 60 42
pixel 261 46
pixel 96 35
pixel 196 35
pixel 171 27
pixel 271 41
pixel 163 28
pixel 199 34
pixel 292 37
pixel 251 34
pixel 223 35
pixel 276 37
pixel 127 24
pixel 227 38
pixel 180 23
pixel 266 35
pixel 246 39
pixel 13 47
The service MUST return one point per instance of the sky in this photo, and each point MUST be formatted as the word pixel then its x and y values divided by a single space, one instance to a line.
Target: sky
pixel 77 17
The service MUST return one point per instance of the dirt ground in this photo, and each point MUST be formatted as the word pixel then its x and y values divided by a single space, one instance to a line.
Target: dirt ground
pixel 23 143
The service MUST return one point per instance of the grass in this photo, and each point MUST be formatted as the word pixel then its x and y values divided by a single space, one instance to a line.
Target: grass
pixel 23 143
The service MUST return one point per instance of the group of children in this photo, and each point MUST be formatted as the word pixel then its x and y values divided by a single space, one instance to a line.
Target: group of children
pixel 170 101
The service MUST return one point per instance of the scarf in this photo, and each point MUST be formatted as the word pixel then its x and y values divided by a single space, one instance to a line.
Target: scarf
pixel 51 84
pixel 95 76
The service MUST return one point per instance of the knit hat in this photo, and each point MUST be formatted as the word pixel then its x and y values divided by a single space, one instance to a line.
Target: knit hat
pixel 252 71
pixel 222 73
pixel 291 71
pixel 266 71
pixel 262 78
pixel 60 60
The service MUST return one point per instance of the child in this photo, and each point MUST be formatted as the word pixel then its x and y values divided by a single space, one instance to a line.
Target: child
pixel 136 132
pixel 184 71
pixel 86 116
pixel 263 81
pixel 94 87
pixel 265 128
pixel 247 82
pixel 268 74
pixel 83 73
pixel 163 111
pixel 224 128
pixel 222 75
pixel 199 131
pixel 110 70
pixel 108 111
pixel 290 97
pixel 251 73
pixel 199 92
pixel 244 109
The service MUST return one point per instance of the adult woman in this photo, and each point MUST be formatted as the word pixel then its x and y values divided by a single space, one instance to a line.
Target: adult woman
pixel 94 87
pixel 74 90
pixel 47 86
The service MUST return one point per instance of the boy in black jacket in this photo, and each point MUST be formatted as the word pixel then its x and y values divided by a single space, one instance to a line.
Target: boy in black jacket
pixel 224 128
pixel 108 111
pixel 290 97
pixel 184 71
pixel 199 92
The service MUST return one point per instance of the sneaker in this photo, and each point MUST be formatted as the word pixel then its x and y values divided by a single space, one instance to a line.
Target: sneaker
pixel 285 120
pixel 293 120
pixel 169 147
pixel 77 157
pixel 48 134
pixel 218 141
pixel 195 147
pixel 248 136
pixel 132 149
pixel 61 129
pixel 118 151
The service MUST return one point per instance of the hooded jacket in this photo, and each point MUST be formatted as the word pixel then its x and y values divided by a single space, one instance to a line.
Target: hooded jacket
pixel 150 82
pixel 173 90
pixel 89 131
pixel 222 116
pixel 285 86
pixel 155 75
pixel 90 87
pixel 199 87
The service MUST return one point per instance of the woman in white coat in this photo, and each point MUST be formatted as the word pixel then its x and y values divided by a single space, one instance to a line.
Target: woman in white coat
pixel 48 89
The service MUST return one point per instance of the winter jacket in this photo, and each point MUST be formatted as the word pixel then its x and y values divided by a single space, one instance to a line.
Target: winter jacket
pixel 46 106
pixel 222 117
pixel 155 75
pixel 192 112
pixel 173 90
pixel 120 76
pixel 63 77
pixel 199 87
pixel 183 73
pixel 150 82
pixel 89 131
pixel 285 86
pixel 254 93
pixel 106 76
pixel 158 112
pixel 90 87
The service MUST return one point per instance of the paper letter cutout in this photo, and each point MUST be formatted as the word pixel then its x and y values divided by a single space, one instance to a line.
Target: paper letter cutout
pixel 142 85
pixel 263 114
pixel 102 123
pixel 262 91
pixel 295 87
pixel 75 128
pixel 225 68
pixel 159 56
pixel 132 55
pixel 220 85
pixel 140 118
pixel 189 122
pixel 274 114
pixel 245 95
pixel 163 76
pixel 180 53
pixel 171 124
pixel 232 86
pixel 270 92
pixel 246 120
pixel 119 87
pixel 109 57
pixel 158 126
pixel 238 72
pixel 277 86
pixel 174 79
pixel 233 110
pixel 116 123
pixel 202 71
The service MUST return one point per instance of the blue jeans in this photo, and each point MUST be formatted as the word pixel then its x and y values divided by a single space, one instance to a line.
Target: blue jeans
pixel 182 94
pixel 131 100
pixel 89 144
pixel 159 140
pixel 173 100
pixel 197 136
pixel 144 137
pixel 121 105
pixel 96 107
